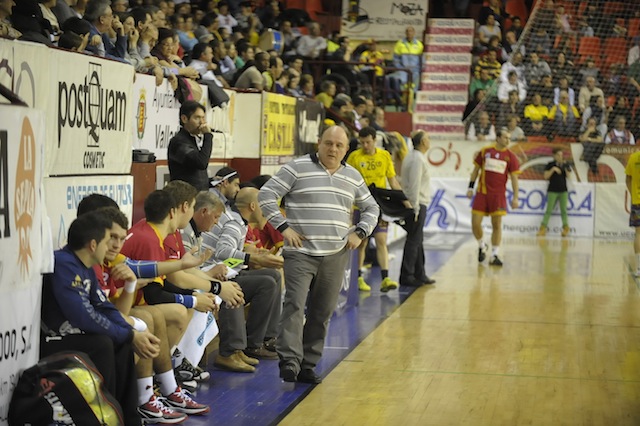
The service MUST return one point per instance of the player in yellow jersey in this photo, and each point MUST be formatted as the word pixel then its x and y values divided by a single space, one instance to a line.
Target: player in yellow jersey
pixel 633 186
pixel 376 166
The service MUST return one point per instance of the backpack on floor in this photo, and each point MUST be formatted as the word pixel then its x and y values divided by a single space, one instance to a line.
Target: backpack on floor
pixel 63 389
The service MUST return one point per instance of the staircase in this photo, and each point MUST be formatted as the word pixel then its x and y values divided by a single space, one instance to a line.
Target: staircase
pixel 444 89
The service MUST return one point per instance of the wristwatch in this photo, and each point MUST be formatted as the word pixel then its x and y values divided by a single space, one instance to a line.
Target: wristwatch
pixel 360 233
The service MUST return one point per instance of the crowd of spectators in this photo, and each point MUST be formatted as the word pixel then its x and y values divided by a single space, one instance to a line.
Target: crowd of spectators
pixel 232 44
pixel 573 64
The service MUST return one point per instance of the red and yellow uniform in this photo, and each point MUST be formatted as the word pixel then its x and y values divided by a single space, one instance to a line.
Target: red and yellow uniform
pixel 495 167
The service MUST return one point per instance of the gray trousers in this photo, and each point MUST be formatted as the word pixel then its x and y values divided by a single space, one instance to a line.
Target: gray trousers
pixel 262 289
pixel 316 281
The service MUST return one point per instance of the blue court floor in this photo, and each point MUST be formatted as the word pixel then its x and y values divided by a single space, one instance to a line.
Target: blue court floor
pixel 262 398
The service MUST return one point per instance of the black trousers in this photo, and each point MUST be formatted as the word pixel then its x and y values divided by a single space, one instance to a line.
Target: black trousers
pixel 115 363
pixel 412 269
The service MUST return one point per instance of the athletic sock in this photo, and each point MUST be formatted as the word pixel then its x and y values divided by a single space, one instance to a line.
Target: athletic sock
pixel 495 250
pixel 384 273
pixel 167 382
pixel 481 243
pixel 145 389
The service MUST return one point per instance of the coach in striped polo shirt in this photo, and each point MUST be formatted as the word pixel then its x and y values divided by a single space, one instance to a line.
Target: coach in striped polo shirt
pixel 320 192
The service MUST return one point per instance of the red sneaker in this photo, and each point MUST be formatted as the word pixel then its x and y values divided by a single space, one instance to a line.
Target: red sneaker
pixel 154 411
pixel 181 401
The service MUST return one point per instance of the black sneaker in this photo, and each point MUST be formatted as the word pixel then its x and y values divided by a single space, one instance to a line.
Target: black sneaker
pixel 495 261
pixel 187 371
pixel 482 253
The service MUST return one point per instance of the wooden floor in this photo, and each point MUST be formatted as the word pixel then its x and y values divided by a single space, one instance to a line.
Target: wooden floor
pixel 552 338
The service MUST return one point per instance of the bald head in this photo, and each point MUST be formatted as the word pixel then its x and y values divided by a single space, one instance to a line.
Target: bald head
pixel 246 196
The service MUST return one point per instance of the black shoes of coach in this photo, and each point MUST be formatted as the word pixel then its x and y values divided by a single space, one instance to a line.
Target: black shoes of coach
pixel 307 375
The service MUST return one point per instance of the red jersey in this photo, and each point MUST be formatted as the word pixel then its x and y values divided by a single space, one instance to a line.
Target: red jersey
pixel 271 238
pixel 144 243
pixel 495 167
pixel 173 246
pixel 253 237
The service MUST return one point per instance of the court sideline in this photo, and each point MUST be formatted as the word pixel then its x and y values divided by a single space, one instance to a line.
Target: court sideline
pixel 553 337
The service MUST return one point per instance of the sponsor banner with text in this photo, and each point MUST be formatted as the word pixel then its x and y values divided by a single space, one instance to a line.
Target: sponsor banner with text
pixel 450 209
pixel 65 193
pixel 381 19
pixel 90 113
pixel 612 212
pixel 278 125
pixel 156 113
pixel 22 135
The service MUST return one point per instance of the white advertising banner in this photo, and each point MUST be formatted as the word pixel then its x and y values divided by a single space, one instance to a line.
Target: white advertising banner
pixel 157 115
pixel 247 126
pixel 89 115
pixel 65 193
pixel 450 209
pixel 22 135
pixel 612 212
pixel 31 74
pixel 382 19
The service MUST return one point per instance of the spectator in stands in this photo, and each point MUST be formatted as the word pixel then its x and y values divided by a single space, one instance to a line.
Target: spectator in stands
pixel 516 132
pixel 563 68
pixel 225 19
pixel 359 109
pixel 496 9
pixel 272 73
pixel 27 18
pixel 289 39
pixel 512 85
pixel 158 17
pixel 490 63
pixel 252 77
pixel 282 83
pixel 478 97
pixel 489 29
pixel 546 90
pixel 516 65
pixel 561 20
pixel 535 117
pixel 634 52
pixel 312 45
pixel 327 92
pixel 100 15
pixel 536 69
pixel 119 6
pixel 584 30
pixel 620 108
pixel 484 82
pixel 270 14
pixel 513 106
pixel 164 51
pixel 132 53
pixel 208 25
pixel 183 26
pixel 225 69
pixel 6 27
pixel 407 53
pixel 481 130
pixel 245 54
pixel 62 9
pixel 590 70
pixel 510 45
pixel 306 86
pixel 540 42
pixel 245 14
pixel 564 117
pixel 73 41
pixel 202 62
pixel 563 85
pixel 293 85
pixel 516 27
pixel 587 92
pixel 620 134
pixel 597 110
pixel 633 74
pixel 47 13
pixel 592 145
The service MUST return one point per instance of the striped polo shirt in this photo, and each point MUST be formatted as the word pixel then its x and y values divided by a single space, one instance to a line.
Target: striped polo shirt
pixel 318 204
